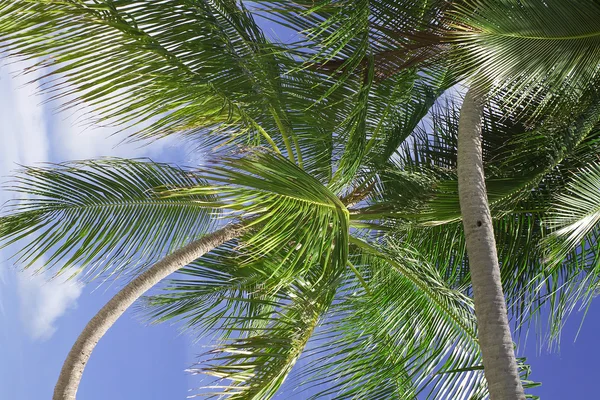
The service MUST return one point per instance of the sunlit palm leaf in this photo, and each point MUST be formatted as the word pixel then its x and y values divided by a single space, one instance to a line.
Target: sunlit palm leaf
pixel 170 66
pixel 546 51
pixel 400 338
pixel 291 211
pixel 101 215
pixel 572 248
pixel 577 211
pixel 266 292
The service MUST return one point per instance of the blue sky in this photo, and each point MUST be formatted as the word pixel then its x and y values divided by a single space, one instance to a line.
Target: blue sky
pixel 39 320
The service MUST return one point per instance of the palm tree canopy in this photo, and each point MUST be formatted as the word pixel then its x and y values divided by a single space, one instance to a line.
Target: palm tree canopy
pixel 353 198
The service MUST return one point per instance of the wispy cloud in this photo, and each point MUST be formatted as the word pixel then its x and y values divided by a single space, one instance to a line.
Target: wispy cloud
pixel 43 301
pixel 32 132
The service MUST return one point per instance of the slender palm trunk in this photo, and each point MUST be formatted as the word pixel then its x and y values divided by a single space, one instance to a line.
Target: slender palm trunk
pixel 70 375
pixel 497 349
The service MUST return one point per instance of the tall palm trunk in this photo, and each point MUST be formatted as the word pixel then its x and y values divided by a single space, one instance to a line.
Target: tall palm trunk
pixel 70 375
pixel 499 361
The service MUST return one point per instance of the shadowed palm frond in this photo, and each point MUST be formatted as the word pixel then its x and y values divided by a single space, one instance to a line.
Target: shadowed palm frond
pixel 342 35
pixel 221 284
pixel 522 164
pixel 101 215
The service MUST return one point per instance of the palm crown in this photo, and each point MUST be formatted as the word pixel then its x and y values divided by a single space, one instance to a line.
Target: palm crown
pixel 350 205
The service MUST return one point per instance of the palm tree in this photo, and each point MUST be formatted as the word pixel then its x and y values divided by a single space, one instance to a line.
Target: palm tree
pixel 534 53
pixel 533 33
pixel 270 284
pixel 312 245
pixel 207 68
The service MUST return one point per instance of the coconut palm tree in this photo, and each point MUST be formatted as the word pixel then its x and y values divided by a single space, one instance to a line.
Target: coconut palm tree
pixel 540 32
pixel 207 68
pixel 536 54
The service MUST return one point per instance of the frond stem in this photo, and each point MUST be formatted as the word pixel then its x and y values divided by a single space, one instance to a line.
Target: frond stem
pixel 360 278
pixel 286 138
pixel 267 137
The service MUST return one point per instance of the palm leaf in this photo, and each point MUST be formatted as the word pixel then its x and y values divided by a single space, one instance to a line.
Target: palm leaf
pixel 401 338
pixel 576 212
pixel 290 210
pixel 224 284
pixel 571 249
pixel 518 160
pixel 101 215
pixel 540 51
pixel 173 66
pixel 342 35
pixel 258 362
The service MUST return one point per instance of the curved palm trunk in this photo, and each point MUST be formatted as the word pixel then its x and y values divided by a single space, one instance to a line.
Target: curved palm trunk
pixel 499 361
pixel 70 375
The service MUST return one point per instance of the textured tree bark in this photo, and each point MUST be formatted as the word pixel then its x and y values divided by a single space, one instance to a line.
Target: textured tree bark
pixel 495 339
pixel 72 370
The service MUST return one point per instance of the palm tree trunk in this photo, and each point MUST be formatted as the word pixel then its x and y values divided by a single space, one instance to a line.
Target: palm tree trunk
pixel 497 349
pixel 70 375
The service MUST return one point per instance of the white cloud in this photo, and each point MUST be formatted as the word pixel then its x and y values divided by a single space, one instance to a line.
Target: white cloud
pixel 42 301
pixel 23 133
pixel 32 132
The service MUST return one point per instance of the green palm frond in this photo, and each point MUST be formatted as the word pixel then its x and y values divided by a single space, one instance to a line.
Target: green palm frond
pixel 521 163
pixel 375 344
pixel 576 212
pixel 342 35
pixel 290 211
pixel 355 133
pixel 255 364
pixel 163 67
pixel 394 111
pixel 101 215
pixel 518 240
pixel 542 51
pixel 407 332
pixel 401 339
pixel 571 250
pixel 263 317
pixel 221 285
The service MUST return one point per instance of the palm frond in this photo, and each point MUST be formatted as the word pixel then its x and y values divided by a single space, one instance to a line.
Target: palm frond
pixel 163 67
pixel 101 215
pixel 257 362
pixel 290 211
pixel 571 249
pixel 401 339
pixel 576 212
pixel 520 162
pixel 537 52
pixel 342 35
pixel 224 284
pixel 262 318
